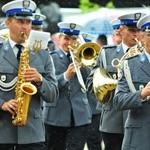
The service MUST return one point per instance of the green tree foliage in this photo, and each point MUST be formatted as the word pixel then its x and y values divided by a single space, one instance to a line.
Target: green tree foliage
pixel 87 6
pixel 110 5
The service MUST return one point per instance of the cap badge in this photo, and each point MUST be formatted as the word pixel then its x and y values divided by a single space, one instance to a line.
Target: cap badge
pixel 137 16
pixel 37 17
pixel 26 4
pixel 85 35
pixel 72 26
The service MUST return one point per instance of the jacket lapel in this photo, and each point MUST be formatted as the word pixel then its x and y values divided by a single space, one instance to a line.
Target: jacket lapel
pixel 144 64
pixel 31 56
pixel 63 57
pixel 9 54
pixel 119 51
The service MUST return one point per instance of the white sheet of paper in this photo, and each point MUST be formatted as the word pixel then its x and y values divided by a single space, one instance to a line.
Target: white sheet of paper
pixel 38 39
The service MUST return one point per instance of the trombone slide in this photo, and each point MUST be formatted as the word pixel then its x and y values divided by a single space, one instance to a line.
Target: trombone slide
pixel 78 73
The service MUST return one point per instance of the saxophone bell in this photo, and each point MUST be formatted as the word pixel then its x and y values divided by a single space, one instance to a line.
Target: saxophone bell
pixel 28 88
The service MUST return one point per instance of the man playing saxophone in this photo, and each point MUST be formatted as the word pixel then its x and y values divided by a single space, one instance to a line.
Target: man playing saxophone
pixel 112 120
pixel 40 74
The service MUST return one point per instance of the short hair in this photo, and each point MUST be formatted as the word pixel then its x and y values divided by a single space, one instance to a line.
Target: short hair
pixel 102 38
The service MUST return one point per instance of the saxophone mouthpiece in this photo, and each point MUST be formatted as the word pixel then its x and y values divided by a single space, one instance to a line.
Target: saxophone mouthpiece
pixel 24 35
pixel 136 39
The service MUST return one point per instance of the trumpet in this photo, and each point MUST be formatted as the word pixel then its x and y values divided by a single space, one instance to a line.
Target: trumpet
pixel 131 53
pixel 140 45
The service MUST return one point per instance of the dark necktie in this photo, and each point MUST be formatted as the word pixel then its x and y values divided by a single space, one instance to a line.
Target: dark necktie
pixel 127 50
pixel 69 57
pixel 19 51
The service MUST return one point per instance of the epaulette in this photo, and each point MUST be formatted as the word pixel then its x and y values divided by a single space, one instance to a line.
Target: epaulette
pixel 53 52
pixel 109 46
pixel 1 44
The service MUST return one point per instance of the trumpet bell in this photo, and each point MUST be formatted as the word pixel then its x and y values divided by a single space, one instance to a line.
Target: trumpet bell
pixel 103 84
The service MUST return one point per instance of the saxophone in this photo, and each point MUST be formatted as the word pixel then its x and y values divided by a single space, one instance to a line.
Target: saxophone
pixel 24 90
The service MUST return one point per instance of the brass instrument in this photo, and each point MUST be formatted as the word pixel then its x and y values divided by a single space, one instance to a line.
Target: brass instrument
pixel 78 73
pixel 140 45
pixel 102 84
pixel 24 90
pixel 131 53
pixel 87 52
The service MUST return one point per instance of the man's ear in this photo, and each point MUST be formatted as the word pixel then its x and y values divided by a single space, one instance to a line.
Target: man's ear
pixel 7 22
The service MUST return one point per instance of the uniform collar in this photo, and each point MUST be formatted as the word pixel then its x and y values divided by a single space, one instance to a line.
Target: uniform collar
pixel 125 47
pixel 13 43
pixel 63 51
pixel 148 56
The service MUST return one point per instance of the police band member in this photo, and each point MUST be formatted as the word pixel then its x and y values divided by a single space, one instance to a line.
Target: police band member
pixel 40 73
pixel 37 21
pixel 94 140
pixel 133 92
pixel 2 39
pixel 67 119
pixel 116 36
pixel 112 120
pixel 38 24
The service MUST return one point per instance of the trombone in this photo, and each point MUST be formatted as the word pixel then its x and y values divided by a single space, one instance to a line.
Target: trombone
pixel 78 72
pixel 87 52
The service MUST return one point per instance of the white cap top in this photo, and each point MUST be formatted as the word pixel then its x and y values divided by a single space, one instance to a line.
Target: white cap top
pixel 115 24
pixel 131 19
pixel 144 23
pixel 20 9
pixel 38 19
pixel 87 37
pixel 70 29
